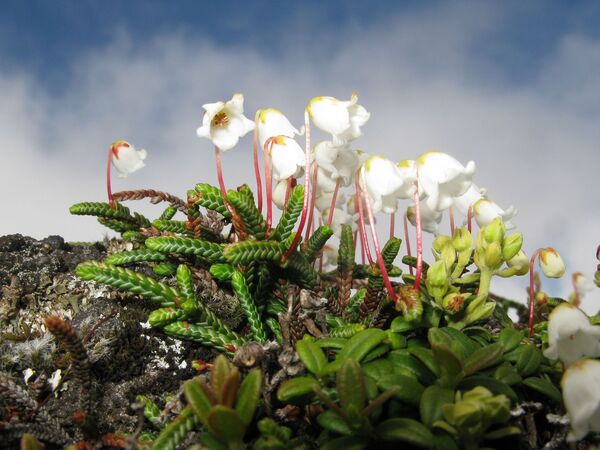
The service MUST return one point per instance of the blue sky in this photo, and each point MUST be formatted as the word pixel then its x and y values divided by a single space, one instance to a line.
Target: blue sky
pixel 512 85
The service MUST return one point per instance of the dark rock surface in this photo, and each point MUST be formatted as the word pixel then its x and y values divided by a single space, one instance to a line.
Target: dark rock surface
pixel 128 358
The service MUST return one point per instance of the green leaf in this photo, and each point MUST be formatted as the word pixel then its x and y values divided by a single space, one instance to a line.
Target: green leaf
pixel 210 442
pixel 483 358
pixel 346 443
pixel 404 363
pixel 510 338
pixel 238 282
pixel 163 316
pixel 296 387
pixel 197 400
pixel 507 374
pixel 204 334
pixel 432 400
pixel 544 387
pixel 222 271
pixel 226 424
pixel 502 433
pixel 245 252
pixel 462 344
pixel 133 256
pixel 333 422
pixel 311 356
pixel 331 342
pixel 407 389
pixel 527 359
pixel 243 202
pixel 350 384
pixel 190 246
pixel 315 243
pixel 425 355
pixel 302 271
pixel 288 219
pixel 175 432
pixel 378 368
pixel 248 396
pixel 359 345
pixel 210 197
pixel 172 226
pixel 496 386
pixel 405 430
pixel 401 325
pixel 447 360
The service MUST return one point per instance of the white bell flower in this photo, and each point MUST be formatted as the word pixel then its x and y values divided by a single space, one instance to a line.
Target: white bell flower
pixel 340 217
pixel 485 211
pixel 342 119
pixel 387 182
pixel 339 161
pixel 442 178
pixel 271 122
pixel 581 397
pixel 571 335
pixel 126 159
pixel 323 200
pixel 224 123
pixel 463 202
pixel 287 157
pixel 430 218
pixel 583 284
pixel 551 263
pixel 279 193
pixel 325 183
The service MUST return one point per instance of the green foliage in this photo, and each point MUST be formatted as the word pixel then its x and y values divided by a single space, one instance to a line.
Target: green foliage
pixel 173 244
pixel 243 202
pixel 210 198
pixel 288 219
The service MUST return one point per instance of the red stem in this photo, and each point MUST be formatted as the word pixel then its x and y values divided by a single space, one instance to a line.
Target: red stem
pixel 417 284
pixel 469 217
pixel 268 180
pixel 380 261
pixel 531 291
pixel 111 200
pixel 333 200
pixel 259 193
pixel 451 214
pixel 361 218
pixel 392 224
pixel 288 191
pixel 220 173
pixel 407 240
pixel 577 300
pixel 306 190
pixel 310 228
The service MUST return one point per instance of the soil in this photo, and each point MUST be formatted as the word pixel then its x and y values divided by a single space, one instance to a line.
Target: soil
pixel 127 357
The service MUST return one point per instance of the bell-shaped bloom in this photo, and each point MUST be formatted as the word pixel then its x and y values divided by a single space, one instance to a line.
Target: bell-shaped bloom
pixel 430 218
pixel 582 284
pixel 463 202
pixel 442 178
pixel 224 123
pixel 279 193
pixel 571 335
pixel 342 119
pixel 485 211
pixel 581 397
pixel 387 182
pixel 551 263
pixel 323 200
pixel 287 157
pixel 324 181
pixel 338 161
pixel 271 122
pixel 126 159
pixel 341 216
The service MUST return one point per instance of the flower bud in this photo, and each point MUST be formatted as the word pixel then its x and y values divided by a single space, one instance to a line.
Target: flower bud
pixel 519 262
pixel 467 413
pixel 551 263
pixel 512 245
pixel 410 303
pixel 440 242
pixel 462 240
pixel 494 232
pixel 493 255
pixel 448 255
pixel 453 302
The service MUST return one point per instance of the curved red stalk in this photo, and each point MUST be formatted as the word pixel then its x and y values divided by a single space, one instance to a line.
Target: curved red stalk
pixel 111 200
pixel 451 214
pixel 469 218
pixel 380 261
pixel 268 180
pixel 577 300
pixel 531 291
pixel 333 200
pixel 288 191
pixel 310 227
pixel 220 173
pixel 392 224
pixel 417 283
pixel 306 190
pixel 257 170
pixel 407 240
pixel 361 219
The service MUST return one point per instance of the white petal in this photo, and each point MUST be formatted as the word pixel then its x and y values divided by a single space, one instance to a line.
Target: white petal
pixel 236 105
pixel 224 138
pixel 329 114
pixel 212 109
pixel 582 397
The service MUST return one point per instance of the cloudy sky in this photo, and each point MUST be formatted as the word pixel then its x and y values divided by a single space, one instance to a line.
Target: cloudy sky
pixel 512 85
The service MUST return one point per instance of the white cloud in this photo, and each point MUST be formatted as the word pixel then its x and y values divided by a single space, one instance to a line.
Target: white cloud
pixel 536 144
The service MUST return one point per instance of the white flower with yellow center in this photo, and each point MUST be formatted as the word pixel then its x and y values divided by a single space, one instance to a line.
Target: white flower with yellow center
pixel 442 178
pixel 271 122
pixel 387 182
pixel 224 123
pixel 485 211
pixel 342 119
pixel 581 397
pixel 126 159
pixel 287 157
pixel 571 335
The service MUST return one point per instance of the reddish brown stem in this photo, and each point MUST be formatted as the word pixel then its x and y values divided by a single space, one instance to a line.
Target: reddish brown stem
pixel 333 200
pixel 111 200
pixel 268 180
pixel 451 214
pixel 417 283
pixel 469 218
pixel 311 206
pixel 380 261
pixel 220 173
pixel 577 300
pixel 361 218
pixel 288 191
pixel 407 240
pixel 392 224
pixel 259 193
pixel 532 291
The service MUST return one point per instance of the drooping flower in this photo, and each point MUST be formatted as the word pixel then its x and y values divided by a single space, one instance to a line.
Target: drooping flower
pixel 323 200
pixel 337 161
pixel 551 263
pixel 571 335
pixel 581 397
pixel 287 158
pixel 387 182
pixel 342 119
pixel 463 202
pixel 271 122
pixel 279 193
pixel 126 159
pixel 340 217
pixel 224 122
pixel 430 218
pixel 485 211
pixel 442 178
